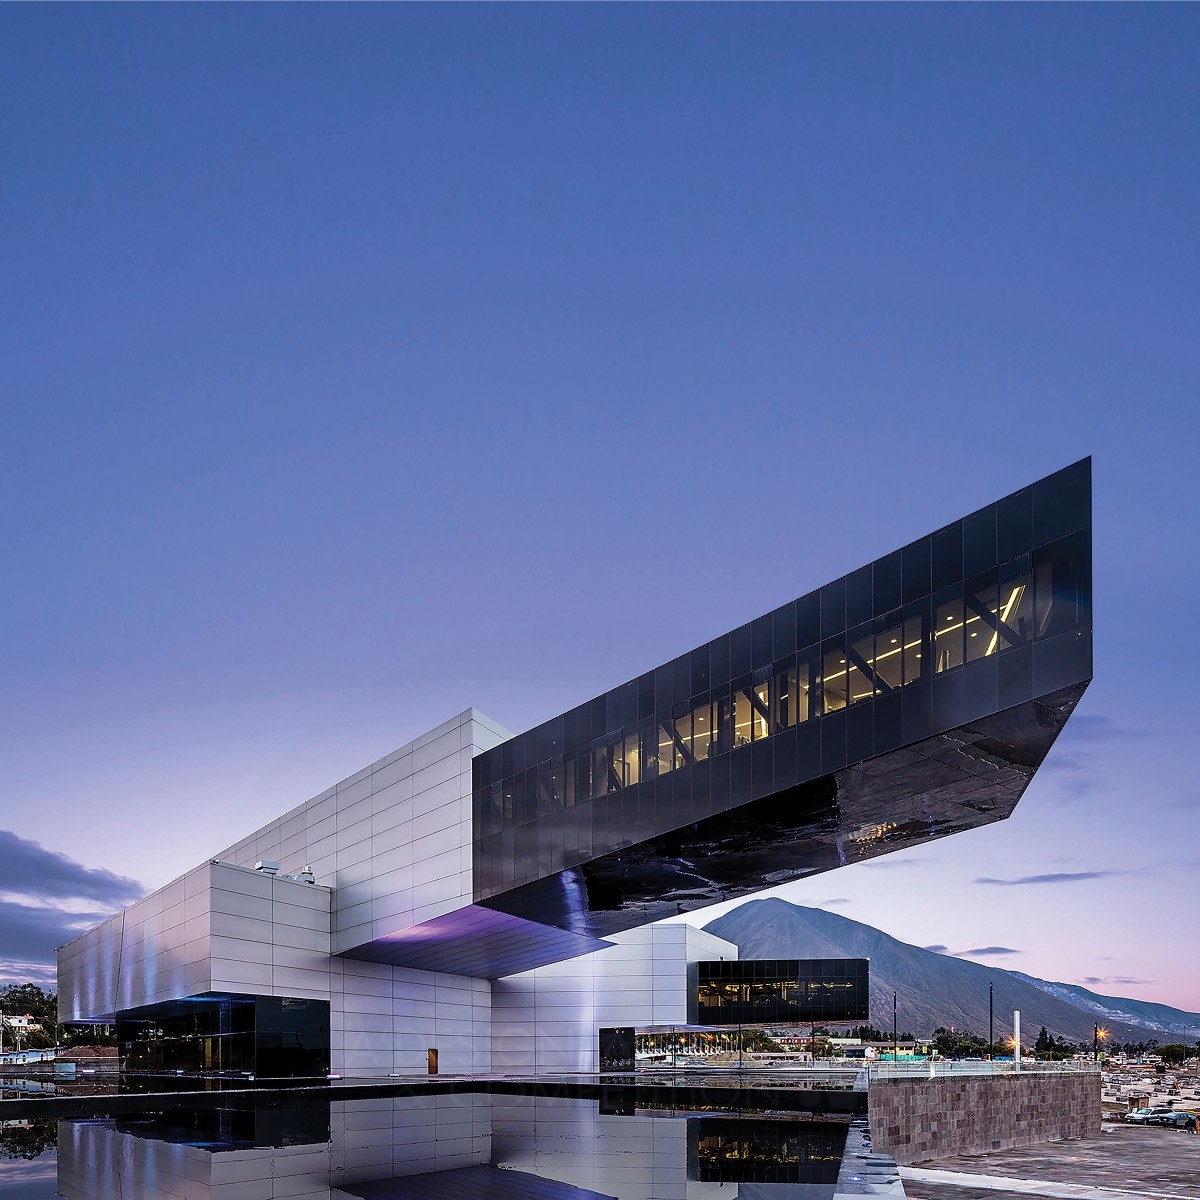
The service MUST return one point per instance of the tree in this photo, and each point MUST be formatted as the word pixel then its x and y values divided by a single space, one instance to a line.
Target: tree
pixel 1175 1053
pixel 27 1140
pixel 868 1033
pixel 1044 1042
pixel 958 1043
pixel 27 999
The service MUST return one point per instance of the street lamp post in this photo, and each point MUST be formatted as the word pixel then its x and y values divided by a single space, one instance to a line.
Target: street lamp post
pixel 1098 1035
pixel 991 1027
pixel 895 1040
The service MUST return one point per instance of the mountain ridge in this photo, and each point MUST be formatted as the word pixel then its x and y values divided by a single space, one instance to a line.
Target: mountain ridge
pixel 1150 1014
pixel 935 990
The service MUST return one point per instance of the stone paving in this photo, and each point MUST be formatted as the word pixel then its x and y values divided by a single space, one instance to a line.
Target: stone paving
pixel 1121 1163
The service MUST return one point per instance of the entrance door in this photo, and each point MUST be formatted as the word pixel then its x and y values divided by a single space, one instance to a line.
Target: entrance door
pixel 617 1049
pixel 433 1066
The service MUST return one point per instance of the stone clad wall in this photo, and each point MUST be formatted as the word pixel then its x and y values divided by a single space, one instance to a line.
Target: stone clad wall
pixel 920 1119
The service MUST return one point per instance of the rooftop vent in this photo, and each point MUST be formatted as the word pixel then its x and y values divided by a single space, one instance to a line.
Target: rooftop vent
pixel 305 876
pixel 267 867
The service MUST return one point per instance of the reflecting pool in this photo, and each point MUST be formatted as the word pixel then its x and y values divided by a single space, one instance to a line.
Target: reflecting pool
pixel 469 1147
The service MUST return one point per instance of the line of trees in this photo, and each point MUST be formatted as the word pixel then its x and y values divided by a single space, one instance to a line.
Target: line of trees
pixel 963 1043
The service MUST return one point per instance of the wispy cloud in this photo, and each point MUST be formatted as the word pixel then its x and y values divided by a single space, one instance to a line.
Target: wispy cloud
pixel 987 951
pixel 1052 877
pixel 47 900
pixel 27 868
pixel 1094 727
pixel 891 864
pixel 937 948
pixel 1093 980
pixel 836 900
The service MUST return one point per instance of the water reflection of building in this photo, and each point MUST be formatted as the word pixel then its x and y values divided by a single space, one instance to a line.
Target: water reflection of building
pixel 428 1148
pixel 478 901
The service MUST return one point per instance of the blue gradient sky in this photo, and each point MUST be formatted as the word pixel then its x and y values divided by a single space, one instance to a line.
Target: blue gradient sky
pixel 359 364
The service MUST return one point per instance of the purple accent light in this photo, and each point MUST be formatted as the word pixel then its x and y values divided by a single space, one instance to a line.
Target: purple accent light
pixel 476 941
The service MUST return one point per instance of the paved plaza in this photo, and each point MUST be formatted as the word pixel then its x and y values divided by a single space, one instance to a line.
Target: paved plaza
pixel 1122 1162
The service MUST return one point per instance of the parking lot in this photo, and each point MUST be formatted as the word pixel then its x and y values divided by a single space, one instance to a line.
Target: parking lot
pixel 1122 1162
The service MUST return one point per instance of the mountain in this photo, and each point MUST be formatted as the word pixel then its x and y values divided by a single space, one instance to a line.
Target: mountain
pixel 1170 1024
pixel 935 990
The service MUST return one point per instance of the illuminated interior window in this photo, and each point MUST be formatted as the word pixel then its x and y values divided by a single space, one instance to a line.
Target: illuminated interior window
pixel 683 732
pixel 833 681
pixel 860 683
pixel 889 656
pixel 666 748
pixel 784 698
pixel 702 732
pixel 723 712
pixel 979 635
pixel 601 775
pixel 741 719
pixel 948 636
pixel 648 756
pixel 760 726
pixel 804 702
pixel 632 760
pixel 914 643
pixel 1016 614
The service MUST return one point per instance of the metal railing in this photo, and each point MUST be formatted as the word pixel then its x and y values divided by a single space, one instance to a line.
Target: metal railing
pixel 943 1068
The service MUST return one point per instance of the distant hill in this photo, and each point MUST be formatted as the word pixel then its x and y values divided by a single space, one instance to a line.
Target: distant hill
pixel 939 990
pixel 1171 1024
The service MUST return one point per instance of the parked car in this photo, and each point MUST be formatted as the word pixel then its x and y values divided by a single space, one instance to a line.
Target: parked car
pixel 1175 1120
pixel 1145 1116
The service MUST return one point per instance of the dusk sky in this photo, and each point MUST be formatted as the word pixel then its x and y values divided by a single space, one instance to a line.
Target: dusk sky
pixel 361 364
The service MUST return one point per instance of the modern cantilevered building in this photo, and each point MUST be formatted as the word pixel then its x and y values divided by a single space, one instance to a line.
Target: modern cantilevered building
pixel 482 901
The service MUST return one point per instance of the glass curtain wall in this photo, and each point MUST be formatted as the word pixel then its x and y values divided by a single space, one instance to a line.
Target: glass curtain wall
pixel 1032 597
pixel 754 992
pixel 265 1036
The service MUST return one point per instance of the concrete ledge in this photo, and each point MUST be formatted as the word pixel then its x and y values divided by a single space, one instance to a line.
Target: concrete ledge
pixel 614 1091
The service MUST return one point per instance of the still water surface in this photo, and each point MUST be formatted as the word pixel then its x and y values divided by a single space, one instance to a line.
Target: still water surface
pixel 467 1147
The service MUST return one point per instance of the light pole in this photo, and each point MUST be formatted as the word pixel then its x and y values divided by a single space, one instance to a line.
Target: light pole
pixel 991 1027
pixel 1098 1035
pixel 895 1039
